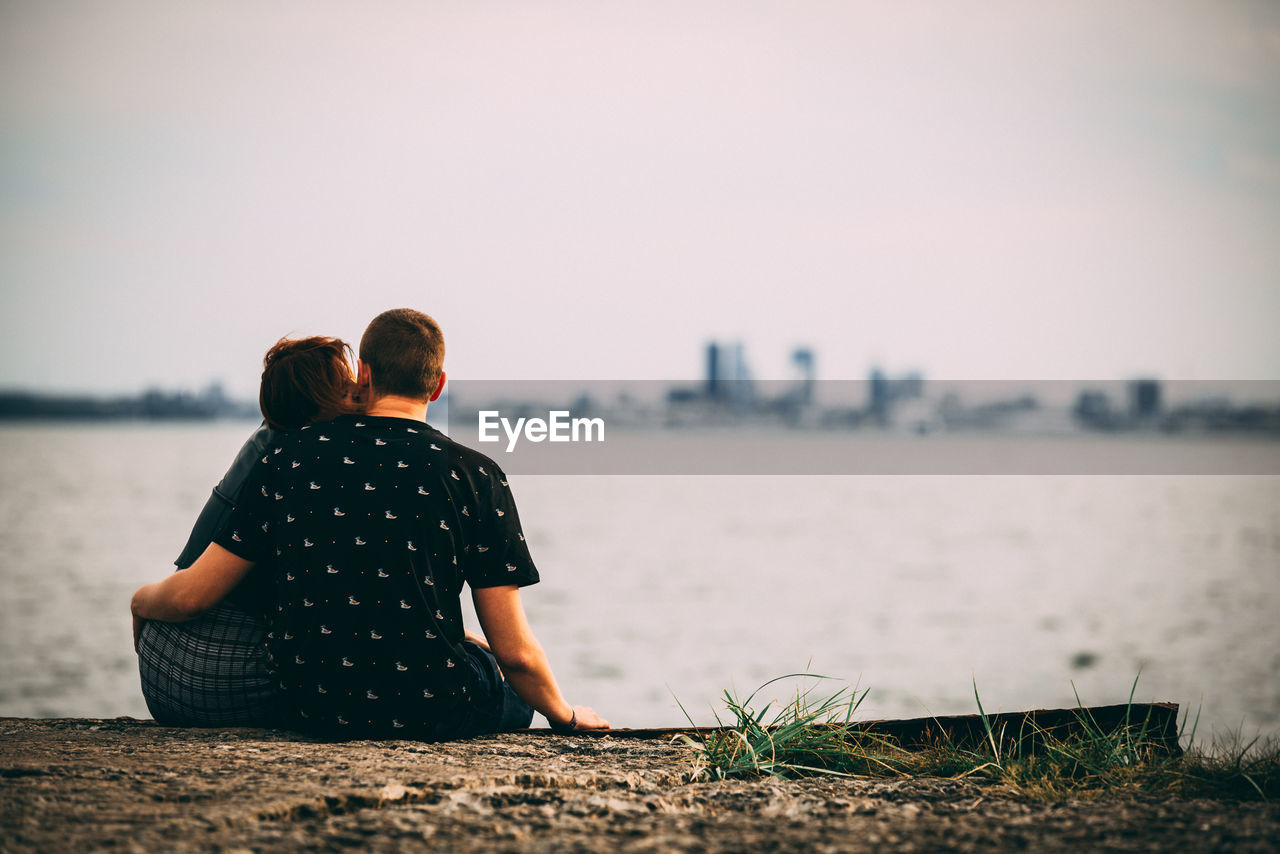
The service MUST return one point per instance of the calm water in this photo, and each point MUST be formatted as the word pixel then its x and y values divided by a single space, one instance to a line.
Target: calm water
pixel 911 586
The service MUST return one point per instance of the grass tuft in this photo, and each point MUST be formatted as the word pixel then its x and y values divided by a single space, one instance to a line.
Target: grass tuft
pixel 815 734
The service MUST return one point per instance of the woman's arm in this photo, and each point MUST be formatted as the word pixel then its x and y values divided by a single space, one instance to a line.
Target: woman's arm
pixel 189 593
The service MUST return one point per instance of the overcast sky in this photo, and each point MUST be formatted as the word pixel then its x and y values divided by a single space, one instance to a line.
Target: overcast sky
pixel 591 190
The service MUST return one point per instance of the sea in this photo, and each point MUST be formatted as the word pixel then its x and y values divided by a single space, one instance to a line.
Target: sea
pixel 660 593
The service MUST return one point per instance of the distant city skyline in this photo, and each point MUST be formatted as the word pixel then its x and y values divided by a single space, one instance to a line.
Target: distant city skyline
pixel 1073 190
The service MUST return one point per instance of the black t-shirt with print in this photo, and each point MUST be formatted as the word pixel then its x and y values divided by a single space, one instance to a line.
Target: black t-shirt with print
pixel 373 524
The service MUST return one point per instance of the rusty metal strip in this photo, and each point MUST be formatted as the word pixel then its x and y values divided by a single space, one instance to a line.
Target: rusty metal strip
pixel 1022 731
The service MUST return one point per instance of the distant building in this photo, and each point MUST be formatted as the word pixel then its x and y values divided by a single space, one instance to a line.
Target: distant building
pixel 715 377
pixel 1144 399
pixel 728 377
pixel 1093 409
pixel 802 358
pixel 741 392
pixel 884 393
pixel 878 394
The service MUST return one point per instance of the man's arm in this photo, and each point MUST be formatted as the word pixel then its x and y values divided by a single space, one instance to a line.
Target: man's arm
pixel 189 593
pixel 522 660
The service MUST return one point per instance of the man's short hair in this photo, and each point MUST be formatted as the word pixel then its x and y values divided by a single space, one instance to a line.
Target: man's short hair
pixel 404 350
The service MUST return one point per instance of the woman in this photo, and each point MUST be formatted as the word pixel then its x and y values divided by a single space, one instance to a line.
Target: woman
pixel 212 670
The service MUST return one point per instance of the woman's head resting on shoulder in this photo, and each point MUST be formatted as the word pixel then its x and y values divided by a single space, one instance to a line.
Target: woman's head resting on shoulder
pixel 305 380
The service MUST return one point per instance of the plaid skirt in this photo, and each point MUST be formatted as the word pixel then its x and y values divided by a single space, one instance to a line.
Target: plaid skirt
pixel 210 671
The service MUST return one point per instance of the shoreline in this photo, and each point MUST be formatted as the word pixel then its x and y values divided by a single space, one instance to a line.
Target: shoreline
pixel 78 784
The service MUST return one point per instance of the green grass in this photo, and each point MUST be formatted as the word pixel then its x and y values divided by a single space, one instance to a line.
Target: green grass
pixel 815 734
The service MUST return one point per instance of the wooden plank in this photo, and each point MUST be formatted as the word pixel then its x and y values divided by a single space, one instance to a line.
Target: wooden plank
pixel 1014 731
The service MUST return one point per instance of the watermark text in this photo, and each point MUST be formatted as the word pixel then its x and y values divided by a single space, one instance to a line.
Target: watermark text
pixel 558 426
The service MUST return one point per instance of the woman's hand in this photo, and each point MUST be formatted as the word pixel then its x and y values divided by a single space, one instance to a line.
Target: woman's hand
pixel 188 593
pixel 478 640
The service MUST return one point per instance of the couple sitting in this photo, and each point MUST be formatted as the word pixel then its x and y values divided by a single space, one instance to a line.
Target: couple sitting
pixel 322 580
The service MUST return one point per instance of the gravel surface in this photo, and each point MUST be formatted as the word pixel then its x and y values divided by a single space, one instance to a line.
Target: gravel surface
pixel 130 785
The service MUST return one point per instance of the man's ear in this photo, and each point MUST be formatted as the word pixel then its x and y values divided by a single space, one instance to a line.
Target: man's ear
pixel 439 388
pixel 364 381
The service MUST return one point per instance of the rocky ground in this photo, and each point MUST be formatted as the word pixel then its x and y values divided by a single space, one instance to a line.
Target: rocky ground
pixel 79 785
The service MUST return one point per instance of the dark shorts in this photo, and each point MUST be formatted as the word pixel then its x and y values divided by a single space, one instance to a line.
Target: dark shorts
pixel 495 705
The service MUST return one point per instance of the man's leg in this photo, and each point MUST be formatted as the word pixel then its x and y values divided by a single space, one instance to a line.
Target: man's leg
pixel 500 709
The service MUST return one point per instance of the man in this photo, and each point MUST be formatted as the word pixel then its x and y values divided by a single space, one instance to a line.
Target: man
pixel 375 522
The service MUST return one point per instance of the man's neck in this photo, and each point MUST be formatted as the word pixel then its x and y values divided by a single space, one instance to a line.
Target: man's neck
pixel 394 406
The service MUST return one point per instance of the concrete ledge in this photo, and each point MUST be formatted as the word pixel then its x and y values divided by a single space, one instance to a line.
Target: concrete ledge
pixel 132 785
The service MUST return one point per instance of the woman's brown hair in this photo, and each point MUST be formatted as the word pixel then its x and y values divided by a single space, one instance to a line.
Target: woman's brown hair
pixel 305 380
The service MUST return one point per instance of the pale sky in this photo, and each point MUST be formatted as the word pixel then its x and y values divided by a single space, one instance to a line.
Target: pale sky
pixel 1074 190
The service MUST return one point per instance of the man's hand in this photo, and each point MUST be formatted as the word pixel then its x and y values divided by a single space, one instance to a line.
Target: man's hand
pixel 588 720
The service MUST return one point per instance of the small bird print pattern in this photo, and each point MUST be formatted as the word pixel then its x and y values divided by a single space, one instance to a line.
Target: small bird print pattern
pixel 379 568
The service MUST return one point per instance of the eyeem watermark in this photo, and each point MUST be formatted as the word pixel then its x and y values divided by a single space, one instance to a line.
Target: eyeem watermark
pixel 909 426
pixel 557 427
